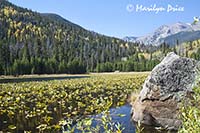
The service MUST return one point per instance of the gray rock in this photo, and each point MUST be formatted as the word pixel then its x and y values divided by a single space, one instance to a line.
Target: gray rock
pixel 168 84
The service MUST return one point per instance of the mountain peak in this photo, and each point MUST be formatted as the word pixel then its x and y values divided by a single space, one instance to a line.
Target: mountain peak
pixel 166 31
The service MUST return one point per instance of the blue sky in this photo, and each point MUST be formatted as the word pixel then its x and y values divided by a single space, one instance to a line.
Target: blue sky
pixel 111 17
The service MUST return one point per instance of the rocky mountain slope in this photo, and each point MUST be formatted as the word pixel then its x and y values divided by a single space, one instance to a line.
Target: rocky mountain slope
pixel 169 34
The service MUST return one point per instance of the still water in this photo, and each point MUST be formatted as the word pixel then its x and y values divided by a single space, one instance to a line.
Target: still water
pixel 125 121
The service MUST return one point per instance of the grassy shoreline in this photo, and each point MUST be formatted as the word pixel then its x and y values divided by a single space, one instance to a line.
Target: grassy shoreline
pixel 48 77
pixel 40 76
pixel 64 75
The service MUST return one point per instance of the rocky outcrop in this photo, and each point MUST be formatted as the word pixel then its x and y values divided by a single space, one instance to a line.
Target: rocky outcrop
pixel 168 84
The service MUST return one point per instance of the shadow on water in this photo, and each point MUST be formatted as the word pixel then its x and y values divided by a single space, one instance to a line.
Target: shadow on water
pixel 18 80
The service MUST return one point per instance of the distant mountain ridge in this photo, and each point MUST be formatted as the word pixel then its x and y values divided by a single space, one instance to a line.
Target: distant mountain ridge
pixel 169 34
pixel 129 38
pixel 58 18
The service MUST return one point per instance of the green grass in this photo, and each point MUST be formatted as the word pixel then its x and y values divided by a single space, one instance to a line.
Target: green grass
pixel 190 114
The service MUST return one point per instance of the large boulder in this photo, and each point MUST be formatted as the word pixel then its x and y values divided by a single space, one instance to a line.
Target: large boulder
pixel 169 83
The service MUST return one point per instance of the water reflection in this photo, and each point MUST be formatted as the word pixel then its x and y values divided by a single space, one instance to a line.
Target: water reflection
pixel 125 121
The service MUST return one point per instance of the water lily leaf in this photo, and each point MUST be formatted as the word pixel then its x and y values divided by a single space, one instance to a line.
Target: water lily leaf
pixel 121 115
pixel 12 127
pixel 88 122
pixel 42 126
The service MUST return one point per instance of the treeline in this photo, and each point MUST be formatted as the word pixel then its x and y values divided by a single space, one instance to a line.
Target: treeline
pixel 189 49
pixel 196 55
pixel 135 63
pixel 195 47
